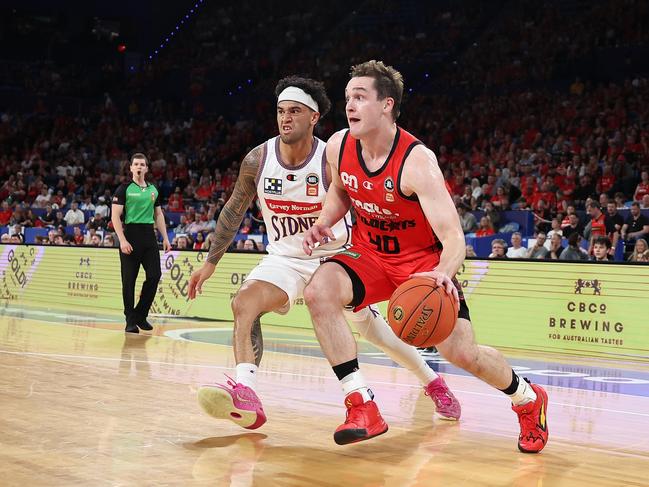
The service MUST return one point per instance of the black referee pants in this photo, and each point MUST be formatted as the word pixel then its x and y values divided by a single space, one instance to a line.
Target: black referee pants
pixel 145 253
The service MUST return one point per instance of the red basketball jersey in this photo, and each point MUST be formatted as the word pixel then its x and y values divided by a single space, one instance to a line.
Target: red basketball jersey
pixel 387 221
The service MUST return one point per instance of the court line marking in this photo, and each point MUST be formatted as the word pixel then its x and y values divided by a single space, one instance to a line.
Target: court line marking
pixel 52 356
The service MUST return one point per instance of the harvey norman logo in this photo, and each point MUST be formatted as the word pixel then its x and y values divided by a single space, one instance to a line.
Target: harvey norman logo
pixel 292 207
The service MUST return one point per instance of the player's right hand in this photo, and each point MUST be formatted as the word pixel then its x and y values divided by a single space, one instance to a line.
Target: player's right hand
pixel 125 247
pixel 316 235
pixel 198 277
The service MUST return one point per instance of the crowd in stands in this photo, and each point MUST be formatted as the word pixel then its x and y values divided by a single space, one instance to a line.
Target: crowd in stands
pixel 574 153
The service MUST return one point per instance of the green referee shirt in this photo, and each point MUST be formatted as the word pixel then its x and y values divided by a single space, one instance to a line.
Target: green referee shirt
pixel 139 202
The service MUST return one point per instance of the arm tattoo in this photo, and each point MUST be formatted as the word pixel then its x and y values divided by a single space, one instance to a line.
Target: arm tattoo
pixel 257 340
pixel 232 213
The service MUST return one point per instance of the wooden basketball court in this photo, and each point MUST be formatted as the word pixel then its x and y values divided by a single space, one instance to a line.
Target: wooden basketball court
pixel 83 404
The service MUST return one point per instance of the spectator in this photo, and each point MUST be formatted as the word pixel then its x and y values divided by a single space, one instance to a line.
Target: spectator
pixel 74 215
pixel 182 225
pixel 95 240
pixel 574 226
pixel 640 251
pixel 601 249
pixel 486 229
pixel 87 204
pixel 176 203
pixel 5 214
pixel 77 236
pixel 17 230
pixel 636 226
pixel 643 187
pixel 614 216
pixel 250 245
pixel 43 199
pixel 58 219
pixel 109 241
pixel 102 208
pixel 204 191
pixel 645 202
pixel 182 242
pixel 498 249
pixel 476 190
pixel 538 251
pixel 246 226
pixel 470 251
pixel 5 238
pixel 556 248
pixel 555 229
pixel 620 200
pixel 200 240
pixel 573 251
pixel 467 219
pixel 47 218
pixel 97 222
pixel 491 212
pixel 199 223
pixel 516 251
pixel 30 219
pixel 600 225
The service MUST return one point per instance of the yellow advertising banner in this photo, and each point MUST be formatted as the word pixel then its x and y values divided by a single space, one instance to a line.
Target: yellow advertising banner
pixel 595 308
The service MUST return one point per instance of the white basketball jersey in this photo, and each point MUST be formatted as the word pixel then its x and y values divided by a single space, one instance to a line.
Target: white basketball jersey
pixel 291 199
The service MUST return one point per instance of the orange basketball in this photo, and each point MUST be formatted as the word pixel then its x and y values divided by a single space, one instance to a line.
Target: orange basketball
pixel 420 313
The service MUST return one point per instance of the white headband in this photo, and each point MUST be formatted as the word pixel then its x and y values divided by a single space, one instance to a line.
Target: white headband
pixel 293 93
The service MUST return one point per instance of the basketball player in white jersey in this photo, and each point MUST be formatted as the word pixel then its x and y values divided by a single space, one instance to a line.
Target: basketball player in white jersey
pixel 290 176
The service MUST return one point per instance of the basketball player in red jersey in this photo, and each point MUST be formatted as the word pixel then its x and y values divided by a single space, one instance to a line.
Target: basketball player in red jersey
pixel 406 226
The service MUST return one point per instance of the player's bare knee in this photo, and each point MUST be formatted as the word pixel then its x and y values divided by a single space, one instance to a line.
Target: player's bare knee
pixel 241 304
pixel 314 295
pixel 466 359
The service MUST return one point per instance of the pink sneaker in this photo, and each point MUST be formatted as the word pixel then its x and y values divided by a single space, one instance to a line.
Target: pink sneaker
pixel 233 401
pixel 446 404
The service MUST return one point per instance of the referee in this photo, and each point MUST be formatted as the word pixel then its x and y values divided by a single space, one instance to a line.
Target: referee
pixel 138 201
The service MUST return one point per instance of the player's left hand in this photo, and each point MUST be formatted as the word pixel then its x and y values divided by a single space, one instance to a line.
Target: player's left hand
pixel 442 280
pixel 166 245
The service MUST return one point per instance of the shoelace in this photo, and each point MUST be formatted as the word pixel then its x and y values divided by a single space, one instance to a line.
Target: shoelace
pixel 354 414
pixel 527 421
pixel 439 395
pixel 231 382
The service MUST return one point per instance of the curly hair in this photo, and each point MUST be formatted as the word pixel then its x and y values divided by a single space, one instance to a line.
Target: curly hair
pixel 311 87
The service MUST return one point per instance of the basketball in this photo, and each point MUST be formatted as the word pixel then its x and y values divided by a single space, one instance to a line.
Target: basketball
pixel 421 313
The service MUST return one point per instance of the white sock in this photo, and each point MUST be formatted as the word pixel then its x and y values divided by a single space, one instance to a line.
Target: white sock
pixel 524 393
pixel 355 382
pixel 373 327
pixel 247 375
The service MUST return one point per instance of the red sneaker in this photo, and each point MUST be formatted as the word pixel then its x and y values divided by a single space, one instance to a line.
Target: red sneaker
pixel 533 422
pixel 363 421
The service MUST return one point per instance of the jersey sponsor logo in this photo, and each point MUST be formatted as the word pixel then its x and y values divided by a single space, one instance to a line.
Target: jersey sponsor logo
pixel 292 207
pixel 287 226
pixel 372 208
pixel 291 177
pixel 272 186
pixel 312 184
pixel 368 185
pixel 389 198
pixel 350 253
pixel 152 196
pixel 349 180
pixel 388 226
